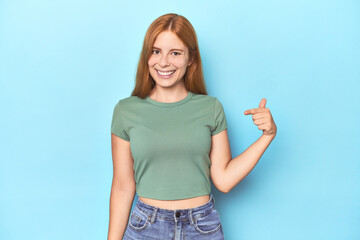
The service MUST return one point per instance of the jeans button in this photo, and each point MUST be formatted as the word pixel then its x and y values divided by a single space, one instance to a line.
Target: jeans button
pixel 177 214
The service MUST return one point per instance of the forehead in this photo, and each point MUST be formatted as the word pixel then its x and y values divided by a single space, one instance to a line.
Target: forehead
pixel 168 40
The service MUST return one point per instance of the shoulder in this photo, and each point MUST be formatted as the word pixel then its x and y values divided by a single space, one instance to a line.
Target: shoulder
pixel 128 102
pixel 203 97
pixel 208 99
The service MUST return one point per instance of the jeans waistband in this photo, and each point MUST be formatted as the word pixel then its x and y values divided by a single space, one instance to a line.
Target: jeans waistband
pixel 188 214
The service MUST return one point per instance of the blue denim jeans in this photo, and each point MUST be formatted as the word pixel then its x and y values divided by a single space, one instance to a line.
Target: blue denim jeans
pixel 150 222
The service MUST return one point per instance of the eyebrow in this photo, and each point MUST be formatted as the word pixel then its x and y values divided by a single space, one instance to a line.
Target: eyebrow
pixel 170 50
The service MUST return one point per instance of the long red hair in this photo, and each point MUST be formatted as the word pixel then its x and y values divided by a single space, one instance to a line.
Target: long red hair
pixel 193 78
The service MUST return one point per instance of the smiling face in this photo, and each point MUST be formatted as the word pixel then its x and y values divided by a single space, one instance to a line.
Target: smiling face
pixel 169 60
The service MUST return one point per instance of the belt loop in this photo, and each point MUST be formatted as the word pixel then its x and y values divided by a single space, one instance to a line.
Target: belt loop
pixel 153 215
pixel 175 216
pixel 191 217
pixel 212 198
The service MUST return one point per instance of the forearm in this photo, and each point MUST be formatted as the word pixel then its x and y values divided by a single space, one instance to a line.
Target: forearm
pixel 120 208
pixel 239 167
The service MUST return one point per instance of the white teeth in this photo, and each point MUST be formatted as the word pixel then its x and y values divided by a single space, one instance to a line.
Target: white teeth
pixel 165 73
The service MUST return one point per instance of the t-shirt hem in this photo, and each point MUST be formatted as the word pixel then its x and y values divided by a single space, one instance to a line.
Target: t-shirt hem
pixel 218 131
pixel 126 139
pixel 173 197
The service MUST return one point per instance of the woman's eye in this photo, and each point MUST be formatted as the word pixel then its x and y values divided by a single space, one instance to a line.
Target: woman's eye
pixel 155 50
pixel 177 53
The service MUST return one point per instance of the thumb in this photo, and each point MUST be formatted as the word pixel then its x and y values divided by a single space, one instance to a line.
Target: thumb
pixel 262 103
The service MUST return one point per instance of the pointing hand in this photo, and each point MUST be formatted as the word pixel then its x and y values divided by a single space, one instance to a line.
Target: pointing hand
pixel 263 118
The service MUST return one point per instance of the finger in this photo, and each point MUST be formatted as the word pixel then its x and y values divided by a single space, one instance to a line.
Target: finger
pixel 254 110
pixel 258 116
pixel 262 127
pixel 262 103
pixel 260 121
pixel 251 111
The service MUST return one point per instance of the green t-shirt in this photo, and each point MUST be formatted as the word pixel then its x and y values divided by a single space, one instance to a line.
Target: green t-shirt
pixel 170 143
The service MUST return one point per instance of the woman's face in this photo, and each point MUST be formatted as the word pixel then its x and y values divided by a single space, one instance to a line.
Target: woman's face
pixel 169 60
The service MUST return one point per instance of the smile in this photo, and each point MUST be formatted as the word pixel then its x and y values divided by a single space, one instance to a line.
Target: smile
pixel 165 74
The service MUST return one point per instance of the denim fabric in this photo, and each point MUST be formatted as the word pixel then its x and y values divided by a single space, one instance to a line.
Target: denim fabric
pixel 150 222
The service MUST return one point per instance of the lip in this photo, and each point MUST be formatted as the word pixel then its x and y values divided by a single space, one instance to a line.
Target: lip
pixel 165 77
pixel 165 70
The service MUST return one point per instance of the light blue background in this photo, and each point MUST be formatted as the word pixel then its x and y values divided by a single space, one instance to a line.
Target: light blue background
pixel 65 64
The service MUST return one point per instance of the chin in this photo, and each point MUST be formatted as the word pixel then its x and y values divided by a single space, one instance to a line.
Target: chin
pixel 166 85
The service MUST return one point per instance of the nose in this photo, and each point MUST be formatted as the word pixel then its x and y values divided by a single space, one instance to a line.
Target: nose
pixel 163 61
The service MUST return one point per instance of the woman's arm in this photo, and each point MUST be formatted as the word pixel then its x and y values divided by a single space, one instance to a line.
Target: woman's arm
pixel 122 189
pixel 120 207
pixel 239 167
pixel 226 173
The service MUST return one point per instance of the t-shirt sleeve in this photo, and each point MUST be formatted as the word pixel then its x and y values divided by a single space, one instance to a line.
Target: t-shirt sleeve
pixel 219 118
pixel 117 124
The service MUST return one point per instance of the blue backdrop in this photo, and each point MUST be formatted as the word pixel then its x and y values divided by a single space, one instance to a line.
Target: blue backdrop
pixel 65 64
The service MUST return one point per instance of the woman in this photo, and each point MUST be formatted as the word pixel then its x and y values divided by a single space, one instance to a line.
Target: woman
pixel 168 138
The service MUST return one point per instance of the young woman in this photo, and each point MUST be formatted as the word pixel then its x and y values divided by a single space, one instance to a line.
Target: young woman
pixel 168 138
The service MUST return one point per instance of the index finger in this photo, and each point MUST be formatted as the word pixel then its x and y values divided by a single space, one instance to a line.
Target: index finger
pixel 252 111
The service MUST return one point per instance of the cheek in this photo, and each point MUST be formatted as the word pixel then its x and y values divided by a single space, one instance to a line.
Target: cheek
pixel 152 61
pixel 179 63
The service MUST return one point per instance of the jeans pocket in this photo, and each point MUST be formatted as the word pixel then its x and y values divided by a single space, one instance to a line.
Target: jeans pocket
pixel 208 223
pixel 138 220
